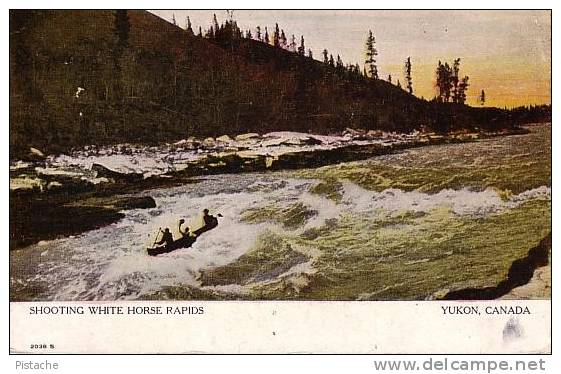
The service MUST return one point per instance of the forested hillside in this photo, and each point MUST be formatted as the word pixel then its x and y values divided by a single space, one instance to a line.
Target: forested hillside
pixel 101 77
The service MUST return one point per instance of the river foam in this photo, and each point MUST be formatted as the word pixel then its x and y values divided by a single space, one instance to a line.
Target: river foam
pixel 111 263
pixel 462 202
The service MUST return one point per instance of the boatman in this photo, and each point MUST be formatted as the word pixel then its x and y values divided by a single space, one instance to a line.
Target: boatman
pixel 210 221
pixel 184 233
pixel 167 238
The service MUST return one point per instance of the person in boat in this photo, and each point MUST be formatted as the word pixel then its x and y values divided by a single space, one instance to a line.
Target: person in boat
pixel 167 238
pixel 210 220
pixel 184 232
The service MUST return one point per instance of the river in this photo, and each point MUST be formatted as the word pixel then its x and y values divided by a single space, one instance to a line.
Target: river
pixel 406 226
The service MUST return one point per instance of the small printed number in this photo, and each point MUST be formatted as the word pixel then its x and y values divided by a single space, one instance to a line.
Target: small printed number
pixel 42 346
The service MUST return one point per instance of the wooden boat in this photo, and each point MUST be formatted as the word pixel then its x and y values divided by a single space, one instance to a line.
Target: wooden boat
pixel 184 242
pixel 206 228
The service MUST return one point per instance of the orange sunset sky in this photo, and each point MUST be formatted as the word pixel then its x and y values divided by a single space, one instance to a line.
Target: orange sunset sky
pixel 506 53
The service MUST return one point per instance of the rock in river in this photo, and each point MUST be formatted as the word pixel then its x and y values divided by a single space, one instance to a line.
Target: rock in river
pixel 105 172
pixel 247 136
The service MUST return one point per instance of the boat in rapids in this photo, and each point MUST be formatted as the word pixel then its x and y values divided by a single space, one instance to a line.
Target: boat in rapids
pixel 184 242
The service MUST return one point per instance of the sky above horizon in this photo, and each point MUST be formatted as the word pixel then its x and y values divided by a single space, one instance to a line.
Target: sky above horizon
pixel 506 53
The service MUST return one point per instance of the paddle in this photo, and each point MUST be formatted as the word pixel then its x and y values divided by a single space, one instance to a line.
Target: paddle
pixel 158 234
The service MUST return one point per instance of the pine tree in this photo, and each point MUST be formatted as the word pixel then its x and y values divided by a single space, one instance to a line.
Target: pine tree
pixel 462 88
pixel 310 54
pixel 266 38
pixel 210 33
pixel 371 53
pixel 188 27
pixel 292 47
pixel 325 57
pixel 258 33
pixel 408 79
pixel 200 34
pixel 482 98
pixel 173 19
pixel 229 31
pixel 331 60
pixel 283 42
pixel 339 64
pixel 276 36
pixel 398 84
pixel 248 35
pixel 215 24
pixel 443 81
pixel 455 81
pixel 389 78
pixel 302 48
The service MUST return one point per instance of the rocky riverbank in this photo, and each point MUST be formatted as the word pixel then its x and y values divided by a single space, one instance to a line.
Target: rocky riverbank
pixel 36 219
pixel 91 167
pixel 538 287
pixel 88 188
pixel 527 278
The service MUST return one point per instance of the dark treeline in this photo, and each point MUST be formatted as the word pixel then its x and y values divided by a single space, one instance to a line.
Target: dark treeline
pixel 229 36
pixel 529 114
pixel 105 77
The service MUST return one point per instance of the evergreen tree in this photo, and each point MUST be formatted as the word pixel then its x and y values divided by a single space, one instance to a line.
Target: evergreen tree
pixel 455 81
pixel 310 54
pixel 188 27
pixel 443 81
pixel 325 57
pixel 229 32
pixel 173 19
pixel 462 89
pixel 339 64
pixel 266 38
pixel 389 78
pixel 302 48
pixel 210 33
pixel 482 98
pixel 292 47
pixel 408 79
pixel 331 60
pixel 258 33
pixel 283 41
pixel 215 24
pixel 276 36
pixel 371 53
pixel 200 34
pixel 248 35
pixel 449 84
pixel 398 84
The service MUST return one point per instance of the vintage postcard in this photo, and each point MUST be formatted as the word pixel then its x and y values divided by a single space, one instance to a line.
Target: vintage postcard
pixel 287 181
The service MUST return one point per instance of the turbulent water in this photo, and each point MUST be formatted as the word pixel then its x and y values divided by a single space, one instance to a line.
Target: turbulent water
pixel 394 227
